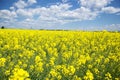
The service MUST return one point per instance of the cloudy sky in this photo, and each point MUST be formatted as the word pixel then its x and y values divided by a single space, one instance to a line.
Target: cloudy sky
pixel 61 14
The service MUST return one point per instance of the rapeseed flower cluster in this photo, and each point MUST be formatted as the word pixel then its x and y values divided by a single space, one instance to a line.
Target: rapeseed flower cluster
pixel 88 76
pixel 2 62
pixel 19 74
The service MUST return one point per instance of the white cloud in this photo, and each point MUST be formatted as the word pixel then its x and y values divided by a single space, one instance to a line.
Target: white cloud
pixel 24 13
pixel 77 14
pixel 111 9
pixel 20 4
pixel 12 8
pixel 30 2
pixel 95 4
pixel 6 14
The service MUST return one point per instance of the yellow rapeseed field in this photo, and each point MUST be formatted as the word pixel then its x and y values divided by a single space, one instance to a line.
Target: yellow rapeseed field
pixel 59 55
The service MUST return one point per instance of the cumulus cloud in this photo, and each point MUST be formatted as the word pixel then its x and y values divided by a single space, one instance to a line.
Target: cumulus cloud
pixel 111 9
pixel 30 2
pixel 6 14
pixel 12 8
pixel 20 4
pixel 24 13
pixel 95 4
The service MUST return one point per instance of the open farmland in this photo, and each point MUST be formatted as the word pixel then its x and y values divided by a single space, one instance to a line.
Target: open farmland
pixel 59 55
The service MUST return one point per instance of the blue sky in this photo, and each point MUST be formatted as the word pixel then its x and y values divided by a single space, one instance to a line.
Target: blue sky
pixel 61 14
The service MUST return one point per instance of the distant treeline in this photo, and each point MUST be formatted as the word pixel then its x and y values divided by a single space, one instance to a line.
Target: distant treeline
pixel 77 30
pixel 54 29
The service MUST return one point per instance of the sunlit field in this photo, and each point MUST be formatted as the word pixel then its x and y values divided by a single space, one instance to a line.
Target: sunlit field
pixel 59 55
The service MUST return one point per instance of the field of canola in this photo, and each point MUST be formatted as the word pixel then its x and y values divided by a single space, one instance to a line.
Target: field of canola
pixel 59 55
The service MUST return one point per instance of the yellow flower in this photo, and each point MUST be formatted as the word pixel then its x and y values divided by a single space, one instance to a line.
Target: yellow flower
pixel 65 71
pixel 58 67
pixel 108 76
pixel 90 66
pixel 37 59
pixel 24 65
pixel 39 67
pixel 89 75
pixel 71 70
pixel 19 62
pixel 96 70
pixel 53 73
pixel 106 60
pixel 6 46
pixel 46 78
pixel 75 77
pixel 52 60
pixel 76 55
pixel 2 62
pixel 59 77
pixel 31 67
pixel 19 74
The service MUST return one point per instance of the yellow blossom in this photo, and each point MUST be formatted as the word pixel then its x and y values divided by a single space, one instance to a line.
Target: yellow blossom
pixel 19 74
pixel 89 75
pixel 2 62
